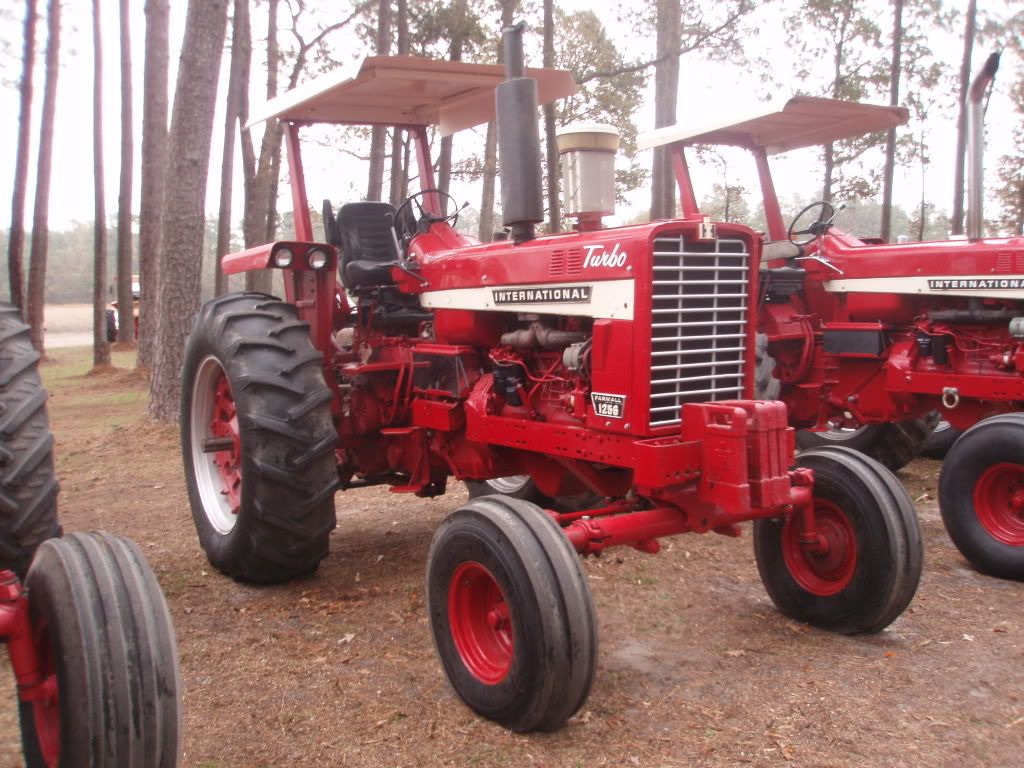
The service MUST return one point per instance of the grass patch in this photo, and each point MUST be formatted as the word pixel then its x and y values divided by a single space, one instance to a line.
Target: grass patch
pixel 70 363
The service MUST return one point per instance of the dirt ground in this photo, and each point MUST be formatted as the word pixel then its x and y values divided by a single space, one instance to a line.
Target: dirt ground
pixel 695 665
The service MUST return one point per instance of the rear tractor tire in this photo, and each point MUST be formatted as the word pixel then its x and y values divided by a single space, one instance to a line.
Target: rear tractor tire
pixel 258 439
pixel 981 495
pixel 523 487
pixel 511 614
pixel 108 656
pixel 872 565
pixel 28 483
pixel 892 444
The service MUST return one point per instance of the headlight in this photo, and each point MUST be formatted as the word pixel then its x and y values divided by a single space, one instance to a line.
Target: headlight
pixel 317 258
pixel 283 257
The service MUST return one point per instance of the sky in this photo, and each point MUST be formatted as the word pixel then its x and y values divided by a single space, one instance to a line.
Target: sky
pixel 703 87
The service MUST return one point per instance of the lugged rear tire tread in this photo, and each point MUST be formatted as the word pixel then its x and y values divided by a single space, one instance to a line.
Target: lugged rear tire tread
pixel 289 472
pixel 28 482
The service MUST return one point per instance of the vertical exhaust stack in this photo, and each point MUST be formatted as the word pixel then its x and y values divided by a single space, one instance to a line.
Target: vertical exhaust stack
pixel 518 141
pixel 976 147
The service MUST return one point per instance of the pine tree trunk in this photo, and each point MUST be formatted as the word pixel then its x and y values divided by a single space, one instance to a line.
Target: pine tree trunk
pixel 890 139
pixel 666 86
pixel 100 345
pixel 554 209
pixel 154 162
pixel 486 230
pixel 227 165
pixel 830 164
pixel 125 304
pixel 40 216
pixel 188 157
pixel 378 135
pixel 16 241
pixel 957 222
pixel 397 134
pixel 487 227
pixel 257 219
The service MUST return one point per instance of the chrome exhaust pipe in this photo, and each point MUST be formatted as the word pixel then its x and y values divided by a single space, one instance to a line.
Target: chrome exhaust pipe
pixel 976 147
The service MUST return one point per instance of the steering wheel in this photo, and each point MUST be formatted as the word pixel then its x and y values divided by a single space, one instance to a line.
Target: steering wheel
pixel 404 211
pixel 816 228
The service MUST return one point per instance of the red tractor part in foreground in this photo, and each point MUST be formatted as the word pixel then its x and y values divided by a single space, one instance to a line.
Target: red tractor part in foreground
pixel 604 363
pixel 86 628
pixel 875 335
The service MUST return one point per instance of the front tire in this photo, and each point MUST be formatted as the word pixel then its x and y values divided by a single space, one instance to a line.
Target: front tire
pixel 511 614
pixel 28 482
pixel 108 654
pixel 872 565
pixel 258 440
pixel 981 495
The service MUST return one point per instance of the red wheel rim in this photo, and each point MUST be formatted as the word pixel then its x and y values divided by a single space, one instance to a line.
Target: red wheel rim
pixel 224 423
pixel 46 707
pixel 999 502
pixel 825 567
pixel 480 622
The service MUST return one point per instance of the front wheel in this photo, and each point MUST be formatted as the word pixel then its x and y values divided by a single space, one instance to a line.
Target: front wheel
pixel 258 439
pixel 865 566
pixel 981 495
pixel 511 614
pixel 112 685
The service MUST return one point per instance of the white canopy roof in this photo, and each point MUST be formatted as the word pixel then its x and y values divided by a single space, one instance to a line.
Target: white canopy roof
pixel 406 90
pixel 804 121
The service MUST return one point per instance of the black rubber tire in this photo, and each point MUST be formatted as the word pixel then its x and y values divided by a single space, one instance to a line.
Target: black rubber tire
pixel 940 440
pixel 995 440
pixel 889 548
pixel 527 490
pixel 766 386
pixel 28 483
pixel 552 613
pixel 112 648
pixel 289 470
pixel 893 444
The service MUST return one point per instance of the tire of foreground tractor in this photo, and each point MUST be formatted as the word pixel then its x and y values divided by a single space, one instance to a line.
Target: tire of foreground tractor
pixel 523 487
pixel 893 444
pixel 263 505
pixel 940 440
pixel 873 564
pixel 104 632
pixel 28 483
pixel 981 495
pixel 511 614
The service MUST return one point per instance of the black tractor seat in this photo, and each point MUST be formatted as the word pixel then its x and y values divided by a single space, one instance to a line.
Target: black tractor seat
pixel 365 234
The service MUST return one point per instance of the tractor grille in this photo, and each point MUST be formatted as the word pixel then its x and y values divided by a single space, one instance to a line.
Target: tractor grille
pixel 698 324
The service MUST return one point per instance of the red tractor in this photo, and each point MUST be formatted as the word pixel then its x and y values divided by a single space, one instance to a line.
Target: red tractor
pixel 609 364
pixel 869 339
pixel 86 626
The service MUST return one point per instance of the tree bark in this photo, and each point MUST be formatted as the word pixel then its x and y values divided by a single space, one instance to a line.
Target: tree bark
pixel 40 216
pixel 957 219
pixel 100 346
pixel 890 139
pixel 125 304
pixel 154 163
pixel 378 135
pixel 398 170
pixel 666 86
pixel 188 157
pixel 227 164
pixel 16 241
pixel 486 231
pixel 554 209
pixel 256 221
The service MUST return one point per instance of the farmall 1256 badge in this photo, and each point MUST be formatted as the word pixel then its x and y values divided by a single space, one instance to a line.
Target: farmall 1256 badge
pixel 609 406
